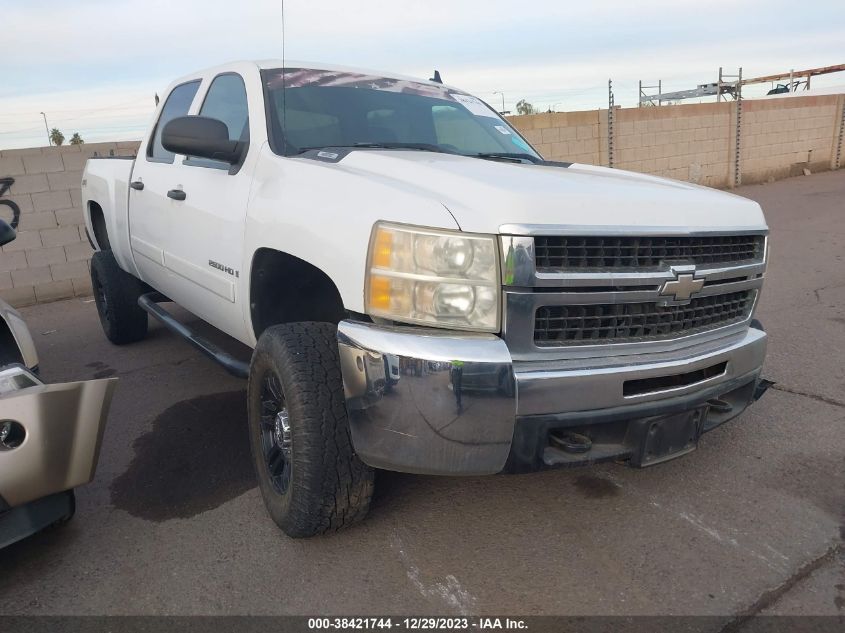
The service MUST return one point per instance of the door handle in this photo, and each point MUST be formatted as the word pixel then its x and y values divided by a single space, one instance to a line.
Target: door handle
pixel 137 185
pixel 177 194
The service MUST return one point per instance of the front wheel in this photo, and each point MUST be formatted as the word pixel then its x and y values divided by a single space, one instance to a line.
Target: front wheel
pixel 310 478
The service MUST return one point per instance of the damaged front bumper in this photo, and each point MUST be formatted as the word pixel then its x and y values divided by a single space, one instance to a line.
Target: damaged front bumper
pixel 463 407
pixel 50 437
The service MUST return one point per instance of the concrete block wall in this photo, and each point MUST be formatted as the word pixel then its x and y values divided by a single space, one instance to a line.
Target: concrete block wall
pixel 782 137
pixel 689 143
pixel 50 258
pixel 697 142
pixel 569 136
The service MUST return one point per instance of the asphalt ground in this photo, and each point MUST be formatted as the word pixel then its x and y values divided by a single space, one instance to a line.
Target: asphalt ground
pixel 752 522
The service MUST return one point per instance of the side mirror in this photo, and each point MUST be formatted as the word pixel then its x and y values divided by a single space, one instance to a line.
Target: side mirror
pixel 7 233
pixel 200 136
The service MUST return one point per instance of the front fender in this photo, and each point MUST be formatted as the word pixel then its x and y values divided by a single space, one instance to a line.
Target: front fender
pixel 324 214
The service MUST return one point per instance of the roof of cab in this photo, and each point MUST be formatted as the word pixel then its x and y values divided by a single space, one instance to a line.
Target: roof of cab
pixel 264 64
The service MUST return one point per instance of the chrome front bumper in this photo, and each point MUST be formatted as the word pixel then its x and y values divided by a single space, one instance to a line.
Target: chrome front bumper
pixel 64 425
pixel 461 402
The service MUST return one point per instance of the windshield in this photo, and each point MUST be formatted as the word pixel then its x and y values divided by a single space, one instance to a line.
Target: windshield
pixel 320 108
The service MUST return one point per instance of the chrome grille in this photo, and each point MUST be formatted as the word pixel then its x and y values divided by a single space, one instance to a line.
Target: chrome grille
pixel 558 253
pixel 596 323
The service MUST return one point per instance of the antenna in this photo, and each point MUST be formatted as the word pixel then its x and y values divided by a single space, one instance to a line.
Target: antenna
pixel 436 77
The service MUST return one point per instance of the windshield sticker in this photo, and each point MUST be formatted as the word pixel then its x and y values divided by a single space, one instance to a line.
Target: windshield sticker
pixel 474 105
pixel 307 77
pixel 502 129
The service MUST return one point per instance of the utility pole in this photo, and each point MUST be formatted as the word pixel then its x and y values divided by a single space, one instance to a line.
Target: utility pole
pixel 611 116
pixel 47 128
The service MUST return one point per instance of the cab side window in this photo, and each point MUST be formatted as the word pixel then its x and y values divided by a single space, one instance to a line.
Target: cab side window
pixel 178 103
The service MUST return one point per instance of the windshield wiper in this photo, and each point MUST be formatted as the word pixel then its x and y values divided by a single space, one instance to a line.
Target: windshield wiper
pixel 516 157
pixel 423 147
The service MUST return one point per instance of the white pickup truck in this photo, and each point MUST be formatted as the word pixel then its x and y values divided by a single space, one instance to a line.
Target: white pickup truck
pixel 423 292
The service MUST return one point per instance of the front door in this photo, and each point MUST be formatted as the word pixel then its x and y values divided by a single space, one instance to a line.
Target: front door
pixel 150 208
pixel 204 245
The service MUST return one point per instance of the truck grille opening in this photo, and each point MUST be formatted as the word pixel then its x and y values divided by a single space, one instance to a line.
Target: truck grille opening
pixel 661 383
pixel 559 253
pixel 600 323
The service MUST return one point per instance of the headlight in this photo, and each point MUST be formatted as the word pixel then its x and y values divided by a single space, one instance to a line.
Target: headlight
pixel 15 378
pixel 432 277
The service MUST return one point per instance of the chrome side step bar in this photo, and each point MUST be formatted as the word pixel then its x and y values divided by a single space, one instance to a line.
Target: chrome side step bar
pixel 150 303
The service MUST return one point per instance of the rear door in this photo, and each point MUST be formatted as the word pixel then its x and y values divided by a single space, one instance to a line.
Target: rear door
pixel 150 208
pixel 204 246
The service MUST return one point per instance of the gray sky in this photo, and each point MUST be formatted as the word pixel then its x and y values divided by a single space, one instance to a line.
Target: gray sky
pixel 93 65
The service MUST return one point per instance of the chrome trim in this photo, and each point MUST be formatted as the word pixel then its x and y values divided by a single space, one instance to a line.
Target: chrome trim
pixel 550 391
pixel 518 262
pixel 520 309
pixel 416 425
pixel 631 296
pixel 454 414
pixel 519 270
pixel 526 288
pixel 649 231
pixel 641 278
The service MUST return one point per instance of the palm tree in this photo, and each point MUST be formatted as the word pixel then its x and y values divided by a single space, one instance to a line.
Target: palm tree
pixel 76 139
pixel 56 137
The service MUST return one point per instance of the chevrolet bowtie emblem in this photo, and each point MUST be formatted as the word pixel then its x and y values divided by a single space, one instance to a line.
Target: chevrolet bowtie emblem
pixel 682 288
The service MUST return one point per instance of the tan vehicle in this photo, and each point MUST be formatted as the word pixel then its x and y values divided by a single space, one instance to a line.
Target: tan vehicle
pixel 50 435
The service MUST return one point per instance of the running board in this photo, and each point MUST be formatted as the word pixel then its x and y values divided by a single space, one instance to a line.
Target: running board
pixel 150 303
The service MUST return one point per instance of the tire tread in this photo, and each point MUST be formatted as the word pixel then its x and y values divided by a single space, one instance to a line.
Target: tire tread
pixel 333 487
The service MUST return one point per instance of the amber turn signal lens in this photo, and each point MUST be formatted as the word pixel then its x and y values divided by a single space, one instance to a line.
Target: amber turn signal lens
pixel 380 292
pixel 382 248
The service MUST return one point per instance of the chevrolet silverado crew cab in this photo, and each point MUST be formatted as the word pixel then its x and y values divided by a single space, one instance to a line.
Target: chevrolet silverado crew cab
pixel 422 291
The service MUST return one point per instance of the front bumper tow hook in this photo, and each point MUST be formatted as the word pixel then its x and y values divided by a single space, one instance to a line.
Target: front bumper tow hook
pixel 720 405
pixel 572 442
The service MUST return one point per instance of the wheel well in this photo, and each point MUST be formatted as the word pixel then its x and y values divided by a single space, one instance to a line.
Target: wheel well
pixel 9 350
pixel 98 223
pixel 286 289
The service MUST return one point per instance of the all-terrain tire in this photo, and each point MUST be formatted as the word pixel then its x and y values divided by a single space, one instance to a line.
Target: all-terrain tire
pixel 326 487
pixel 116 294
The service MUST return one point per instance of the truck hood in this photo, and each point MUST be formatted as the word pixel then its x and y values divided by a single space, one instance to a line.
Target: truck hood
pixel 486 196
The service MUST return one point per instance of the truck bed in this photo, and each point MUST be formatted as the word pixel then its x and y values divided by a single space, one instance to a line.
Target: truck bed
pixel 106 179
